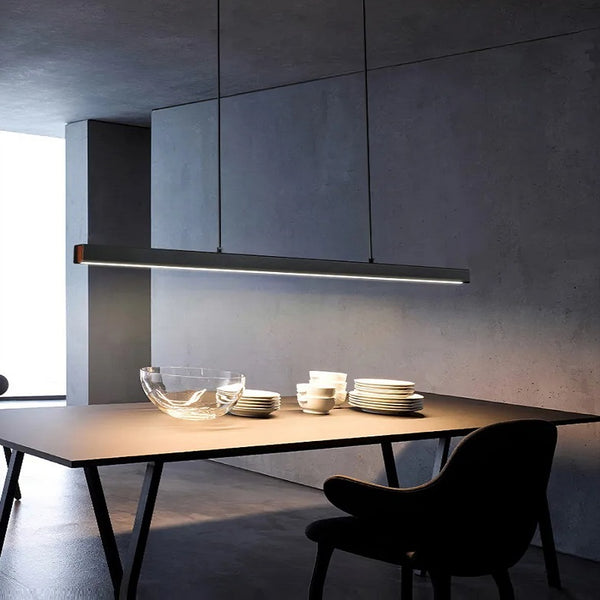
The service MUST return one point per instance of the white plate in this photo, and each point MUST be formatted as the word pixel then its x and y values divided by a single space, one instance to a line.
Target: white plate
pixel 261 408
pixel 378 402
pixel 393 383
pixel 260 400
pixel 250 413
pixel 265 394
pixel 414 406
pixel 365 394
pixel 376 407
pixel 381 411
pixel 385 410
pixel 378 390
pixel 385 392
pixel 385 398
pixel 256 410
pixel 384 387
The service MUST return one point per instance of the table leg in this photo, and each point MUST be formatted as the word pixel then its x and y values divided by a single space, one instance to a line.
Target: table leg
pixel 7 454
pixel 441 454
pixel 390 464
pixel 8 492
pixel 104 525
pixel 550 558
pixel 139 537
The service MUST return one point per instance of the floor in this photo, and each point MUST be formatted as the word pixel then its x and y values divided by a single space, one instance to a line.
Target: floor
pixel 218 533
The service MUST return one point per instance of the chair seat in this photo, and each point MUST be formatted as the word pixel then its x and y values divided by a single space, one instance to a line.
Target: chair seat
pixel 358 536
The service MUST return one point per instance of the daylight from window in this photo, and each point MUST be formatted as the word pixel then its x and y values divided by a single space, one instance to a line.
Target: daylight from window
pixel 32 265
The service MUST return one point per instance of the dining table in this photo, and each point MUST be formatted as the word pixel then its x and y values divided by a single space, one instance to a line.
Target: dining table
pixel 90 436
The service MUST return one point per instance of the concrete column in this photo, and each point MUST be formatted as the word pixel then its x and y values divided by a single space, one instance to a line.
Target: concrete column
pixel 108 309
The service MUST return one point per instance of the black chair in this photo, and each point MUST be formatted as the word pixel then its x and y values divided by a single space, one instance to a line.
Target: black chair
pixel 3 384
pixel 7 452
pixel 477 517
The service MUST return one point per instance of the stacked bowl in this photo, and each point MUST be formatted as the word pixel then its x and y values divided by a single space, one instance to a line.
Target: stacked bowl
pixel 331 379
pixel 315 399
pixel 325 390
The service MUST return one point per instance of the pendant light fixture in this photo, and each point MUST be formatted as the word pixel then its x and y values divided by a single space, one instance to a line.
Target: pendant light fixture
pixel 219 261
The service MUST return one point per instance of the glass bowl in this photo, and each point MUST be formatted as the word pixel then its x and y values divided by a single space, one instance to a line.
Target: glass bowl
pixel 193 393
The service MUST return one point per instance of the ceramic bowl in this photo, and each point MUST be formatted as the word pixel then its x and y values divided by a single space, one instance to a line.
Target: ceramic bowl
pixel 328 375
pixel 323 391
pixel 315 405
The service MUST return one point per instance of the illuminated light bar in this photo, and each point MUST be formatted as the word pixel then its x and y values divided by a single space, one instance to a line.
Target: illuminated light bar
pixel 114 256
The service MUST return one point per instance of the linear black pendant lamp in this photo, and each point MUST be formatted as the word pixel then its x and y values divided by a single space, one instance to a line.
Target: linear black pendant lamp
pixel 114 256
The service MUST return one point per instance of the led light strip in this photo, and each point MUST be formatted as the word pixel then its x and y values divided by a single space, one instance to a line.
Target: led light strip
pixel 111 256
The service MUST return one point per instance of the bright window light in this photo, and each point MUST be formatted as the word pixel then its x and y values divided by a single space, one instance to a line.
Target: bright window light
pixel 32 284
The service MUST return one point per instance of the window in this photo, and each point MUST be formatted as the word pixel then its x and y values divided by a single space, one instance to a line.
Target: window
pixel 32 265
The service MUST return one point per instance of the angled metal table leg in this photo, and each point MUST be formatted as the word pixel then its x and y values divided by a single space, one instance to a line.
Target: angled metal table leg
pixel 441 454
pixel 137 544
pixel 550 558
pixel 7 454
pixel 390 464
pixel 105 527
pixel 8 492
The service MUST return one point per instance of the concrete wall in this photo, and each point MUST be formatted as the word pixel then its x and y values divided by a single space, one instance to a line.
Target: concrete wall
pixel 108 309
pixel 484 154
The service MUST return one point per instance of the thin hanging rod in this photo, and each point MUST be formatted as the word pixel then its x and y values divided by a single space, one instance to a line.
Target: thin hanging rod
pixel 367 130
pixel 219 179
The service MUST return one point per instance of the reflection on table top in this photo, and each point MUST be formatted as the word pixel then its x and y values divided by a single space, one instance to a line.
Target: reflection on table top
pixel 124 433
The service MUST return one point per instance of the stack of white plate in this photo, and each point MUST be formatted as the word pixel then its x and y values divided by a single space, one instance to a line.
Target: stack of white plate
pixel 256 403
pixel 385 396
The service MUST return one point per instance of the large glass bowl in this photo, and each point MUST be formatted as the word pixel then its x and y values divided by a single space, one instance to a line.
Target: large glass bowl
pixel 193 393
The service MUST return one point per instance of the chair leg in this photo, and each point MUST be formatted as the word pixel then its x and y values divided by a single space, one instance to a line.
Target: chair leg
pixel 320 571
pixel 441 585
pixel 502 579
pixel 406 587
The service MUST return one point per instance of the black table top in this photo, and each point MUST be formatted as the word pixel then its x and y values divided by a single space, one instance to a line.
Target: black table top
pixel 76 436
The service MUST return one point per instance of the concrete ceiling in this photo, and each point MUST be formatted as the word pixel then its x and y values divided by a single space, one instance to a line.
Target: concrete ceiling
pixel 117 60
pixel 68 60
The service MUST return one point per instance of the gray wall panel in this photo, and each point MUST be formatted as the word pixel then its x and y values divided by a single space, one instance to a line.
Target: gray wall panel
pixel 490 160
pixel 294 171
pixel 76 137
pixel 413 30
pixel 118 185
pixel 184 177
pixel 108 310
pixel 119 331
pixel 267 42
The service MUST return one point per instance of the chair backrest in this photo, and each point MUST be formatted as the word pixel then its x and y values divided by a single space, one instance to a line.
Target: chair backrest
pixel 3 384
pixel 488 498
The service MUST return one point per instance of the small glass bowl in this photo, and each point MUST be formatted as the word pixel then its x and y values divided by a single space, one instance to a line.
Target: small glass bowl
pixel 192 393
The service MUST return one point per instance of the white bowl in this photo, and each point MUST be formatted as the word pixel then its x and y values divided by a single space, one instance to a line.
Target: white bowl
pixel 340 397
pixel 340 386
pixel 328 375
pixel 301 388
pixel 324 391
pixel 315 405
